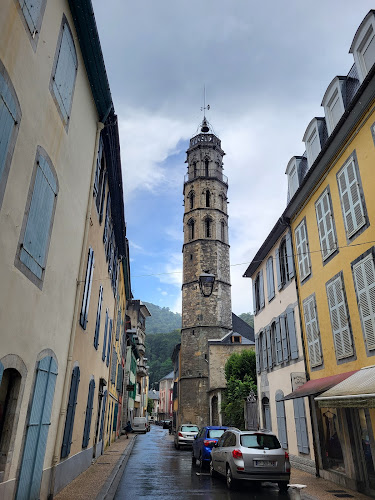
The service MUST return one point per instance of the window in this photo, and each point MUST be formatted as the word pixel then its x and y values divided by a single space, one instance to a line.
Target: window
pixel 109 342
pixel 333 102
pixel 65 72
pixel 292 180
pixel 302 247
pixel 326 225
pixel 278 343
pixel 89 408
pixel 195 169
pixel 223 231
pixel 222 202
pixel 113 365
pixel 98 317
pixel 191 197
pixel 284 261
pixel 258 292
pixel 10 116
pixel 364 280
pixel 206 167
pixel 267 423
pixel 100 181
pixel 352 205
pixel 118 325
pixel 281 419
pixel 207 227
pixel 270 279
pixel 70 413
pixel 339 318
pixel 301 425
pixel 191 227
pixel 39 214
pixel 105 335
pixel 312 331
pixel 313 139
pixel 208 198
pixel 32 11
pixel 363 46
pixel 87 290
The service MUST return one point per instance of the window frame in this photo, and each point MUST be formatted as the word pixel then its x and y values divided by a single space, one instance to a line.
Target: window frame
pixel 32 35
pixel 333 94
pixel 361 42
pixel 307 303
pixel 302 256
pixel 335 249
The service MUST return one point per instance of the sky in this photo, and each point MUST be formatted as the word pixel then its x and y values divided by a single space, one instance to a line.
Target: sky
pixel 265 66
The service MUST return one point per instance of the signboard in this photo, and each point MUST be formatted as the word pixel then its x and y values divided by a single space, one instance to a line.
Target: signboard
pixel 297 379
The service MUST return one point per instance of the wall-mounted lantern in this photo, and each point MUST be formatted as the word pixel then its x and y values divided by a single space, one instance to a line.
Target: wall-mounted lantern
pixel 206 283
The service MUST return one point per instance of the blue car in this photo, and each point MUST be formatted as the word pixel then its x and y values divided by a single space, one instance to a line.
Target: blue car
pixel 204 442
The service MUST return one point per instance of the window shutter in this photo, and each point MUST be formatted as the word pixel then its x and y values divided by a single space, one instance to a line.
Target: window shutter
pixel 267 417
pixel 284 340
pixel 339 319
pixel 98 317
pixel 31 12
pixel 281 420
pixel 119 378
pixel 279 282
pixel 113 365
pixel 34 246
pixel 301 427
pixel 118 326
pixel 269 347
pixel 325 225
pixel 109 342
pixel 303 256
pixel 364 278
pixel 261 289
pixel 87 289
pixel 105 335
pixel 278 344
pixel 292 334
pixel 312 331
pixel 8 113
pixel 270 279
pixel 350 197
pixel 104 401
pixel 89 408
pixel 254 297
pixel 70 413
pixel 1 371
pixel 264 351
pixel 257 353
pixel 289 254
pixel 115 413
pixel 65 73
pixel 98 169
pixel 106 225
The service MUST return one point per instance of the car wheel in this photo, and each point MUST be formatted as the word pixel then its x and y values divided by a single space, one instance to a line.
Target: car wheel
pixel 231 483
pixel 193 459
pixel 213 472
pixel 283 486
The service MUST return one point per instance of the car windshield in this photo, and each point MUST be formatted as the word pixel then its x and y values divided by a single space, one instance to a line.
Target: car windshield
pixel 260 441
pixel 189 428
pixel 215 433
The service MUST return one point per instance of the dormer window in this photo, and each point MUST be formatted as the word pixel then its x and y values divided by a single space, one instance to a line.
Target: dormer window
pixel 363 46
pixel 333 102
pixel 314 139
pixel 296 171
pixel 236 339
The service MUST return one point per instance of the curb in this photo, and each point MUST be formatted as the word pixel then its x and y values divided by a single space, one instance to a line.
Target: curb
pixel 109 488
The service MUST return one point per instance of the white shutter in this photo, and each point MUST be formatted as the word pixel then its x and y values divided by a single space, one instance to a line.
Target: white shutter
pixel 325 225
pixel 339 319
pixel 312 331
pixel 302 250
pixel 350 197
pixel 364 278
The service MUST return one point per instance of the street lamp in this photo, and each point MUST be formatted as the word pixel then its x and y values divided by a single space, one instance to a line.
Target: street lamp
pixel 206 283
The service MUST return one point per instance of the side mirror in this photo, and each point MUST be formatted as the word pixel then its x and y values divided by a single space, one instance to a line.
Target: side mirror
pixel 216 444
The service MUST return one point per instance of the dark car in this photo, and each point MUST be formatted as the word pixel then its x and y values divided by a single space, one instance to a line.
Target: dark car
pixel 166 424
pixel 204 442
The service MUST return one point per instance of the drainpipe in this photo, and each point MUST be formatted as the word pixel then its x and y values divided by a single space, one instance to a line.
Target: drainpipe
pixel 82 267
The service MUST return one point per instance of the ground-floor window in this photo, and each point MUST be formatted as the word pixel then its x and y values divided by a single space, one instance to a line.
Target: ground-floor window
pixel 332 440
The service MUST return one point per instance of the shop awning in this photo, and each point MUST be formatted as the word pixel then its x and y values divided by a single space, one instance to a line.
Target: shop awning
pixel 357 391
pixel 318 385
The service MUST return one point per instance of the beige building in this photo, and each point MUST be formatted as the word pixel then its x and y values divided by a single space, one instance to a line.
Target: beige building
pixel 53 94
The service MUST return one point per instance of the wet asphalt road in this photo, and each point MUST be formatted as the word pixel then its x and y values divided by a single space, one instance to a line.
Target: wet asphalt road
pixel 157 470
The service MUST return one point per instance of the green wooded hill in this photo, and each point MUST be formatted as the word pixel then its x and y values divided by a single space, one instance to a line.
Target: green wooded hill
pixel 159 350
pixel 162 319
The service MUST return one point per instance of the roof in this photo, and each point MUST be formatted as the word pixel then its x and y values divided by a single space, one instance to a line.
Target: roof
pixel 169 376
pixel 153 394
pixel 227 339
pixel 240 326
pixel 318 385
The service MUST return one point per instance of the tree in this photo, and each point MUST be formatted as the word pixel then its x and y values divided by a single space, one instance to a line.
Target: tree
pixel 150 406
pixel 240 374
pixel 248 318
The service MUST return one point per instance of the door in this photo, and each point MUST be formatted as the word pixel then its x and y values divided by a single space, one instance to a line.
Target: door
pixel 37 430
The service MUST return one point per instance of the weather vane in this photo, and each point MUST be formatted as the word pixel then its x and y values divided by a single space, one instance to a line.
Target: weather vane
pixel 204 107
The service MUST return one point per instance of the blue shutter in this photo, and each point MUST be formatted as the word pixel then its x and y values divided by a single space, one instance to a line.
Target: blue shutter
pixel 65 73
pixel 257 353
pixel 281 420
pixel 278 343
pixel 115 413
pixel 269 347
pixel 1 371
pixel 119 378
pixel 261 289
pixel 270 279
pixel 87 290
pixel 37 431
pixel 98 317
pixel 8 113
pixel 284 340
pixel 279 283
pixel 264 351
pixel 292 334
pixel 105 335
pixel 289 254
pixel 31 11
pixel 35 242
pixel 118 326
pixel 254 298
pixel 301 427
pixel 104 401
pixel 70 413
pixel 113 365
pixel 89 408
pixel 109 342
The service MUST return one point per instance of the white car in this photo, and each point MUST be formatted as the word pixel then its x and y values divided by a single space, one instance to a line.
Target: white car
pixel 185 435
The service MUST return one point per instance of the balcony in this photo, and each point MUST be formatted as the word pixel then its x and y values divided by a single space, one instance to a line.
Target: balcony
pixel 141 370
pixel 141 348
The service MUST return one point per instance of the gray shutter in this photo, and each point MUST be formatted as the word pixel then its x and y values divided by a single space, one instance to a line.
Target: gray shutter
pixel 89 408
pixel 269 347
pixel 70 413
pixel 270 279
pixel 325 225
pixel 119 378
pixel 104 401
pixel 264 351
pixel 292 334
pixel 312 331
pixel 1 371
pixel 98 169
pixel 339 319
pixel 257 353
pixel 31 11
pixel 34 246
pixel 284 340
pixel 289 254
pixel 364 278
pixel 98 318
pixel 109 342
pixel 279 283
pixel 261 289
pixel 65 73
pixel 87 290
pixel 254 297
pixel 301 426
pixel 118 326
pixel 278 344
pixel 8 113
pixel 113 365
pixel 267 417
pixel 350 197
pixel 281 420
pixel 302 249
pixel 105 335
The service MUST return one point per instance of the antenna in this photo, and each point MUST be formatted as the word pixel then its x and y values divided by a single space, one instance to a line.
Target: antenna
pixel 204 102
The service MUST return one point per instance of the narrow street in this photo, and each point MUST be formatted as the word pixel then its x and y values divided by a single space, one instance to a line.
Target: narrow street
pixel 157 470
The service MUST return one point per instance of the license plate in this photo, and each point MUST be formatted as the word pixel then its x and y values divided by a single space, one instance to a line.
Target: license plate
pixel 264 463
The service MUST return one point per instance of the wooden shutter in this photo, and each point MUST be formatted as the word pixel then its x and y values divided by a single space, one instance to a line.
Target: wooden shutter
pixel 350 197
pixel 364 278
pixel 281 420
pixel 278 344
pixel 109 342
pixel 292 334
pixel 89 408
pixel 257 353
pixel 267 417
pixel 119 378
pixel 284 339
pixel 289 255
pixel 98 317
pixel 1 371
pixel 65 73
pixel 302 249
pixel 104 401
pixel 301 426
pixel 113 365
pixel 87 289
pixel 325 225
pixel 97 172
pixel 8 114
pixel 31 11
pixel 279 282
pixel 106 234
pixel 118 326
pixel 339 319
pixel 261 290
pixel 254 297
pixel 264 351
pixel 270 279
pixel 312 331
pixel 35 242
pixel 269 347
pixel 105 335
pixel 70 413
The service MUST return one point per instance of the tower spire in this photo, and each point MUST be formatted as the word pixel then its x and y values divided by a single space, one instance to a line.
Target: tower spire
pixel 204 127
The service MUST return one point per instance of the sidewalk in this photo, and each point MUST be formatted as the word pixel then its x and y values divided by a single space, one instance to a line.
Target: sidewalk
pixel 99 480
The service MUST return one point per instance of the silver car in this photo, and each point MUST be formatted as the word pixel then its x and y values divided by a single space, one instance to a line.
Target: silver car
pixel 185 435
pixel 250 456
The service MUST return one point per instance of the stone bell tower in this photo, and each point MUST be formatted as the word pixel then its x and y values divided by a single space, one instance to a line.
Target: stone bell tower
pixel 205 250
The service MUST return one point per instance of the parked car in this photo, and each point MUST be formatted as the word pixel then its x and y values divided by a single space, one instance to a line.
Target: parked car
pixel 250 456
pixel 204 442
pixel 166 424
pixel 139 424
pixel 185 435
